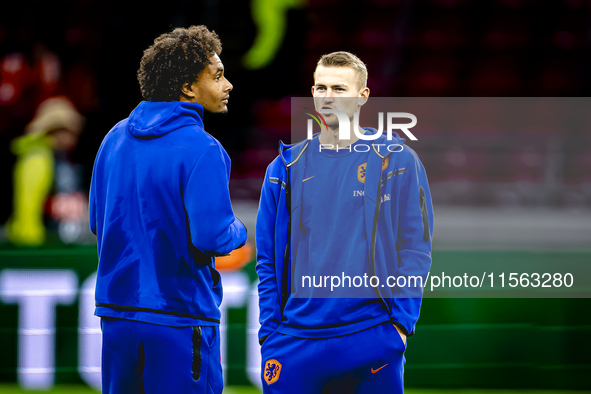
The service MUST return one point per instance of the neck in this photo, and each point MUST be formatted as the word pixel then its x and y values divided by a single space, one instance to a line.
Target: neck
pixel 198 109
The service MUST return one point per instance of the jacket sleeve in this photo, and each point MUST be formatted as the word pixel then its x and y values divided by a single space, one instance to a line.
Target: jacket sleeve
pixel 270 314
pixel 92 207
pixel 214 228
pixel 92 193
pixel 415 230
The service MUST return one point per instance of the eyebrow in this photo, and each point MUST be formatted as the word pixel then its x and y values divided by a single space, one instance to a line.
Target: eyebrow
pixel 338 85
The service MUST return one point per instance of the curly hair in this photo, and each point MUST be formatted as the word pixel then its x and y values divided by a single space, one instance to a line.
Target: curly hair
pixel 174 59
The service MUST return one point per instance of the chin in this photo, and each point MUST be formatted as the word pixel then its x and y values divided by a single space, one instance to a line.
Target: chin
pixel 220 110
pixel 330 118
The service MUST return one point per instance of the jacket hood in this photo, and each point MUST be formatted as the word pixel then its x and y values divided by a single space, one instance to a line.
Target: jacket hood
pixel 290 153
pixel 153 119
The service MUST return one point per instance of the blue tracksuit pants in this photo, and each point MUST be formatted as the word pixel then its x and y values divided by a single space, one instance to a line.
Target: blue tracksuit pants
pixel 149 358
pixel 369 361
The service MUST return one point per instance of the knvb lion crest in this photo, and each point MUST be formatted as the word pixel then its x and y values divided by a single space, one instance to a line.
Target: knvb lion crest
pixel 361 172
pixel 272 371
pixel 362 167
pixel 385 163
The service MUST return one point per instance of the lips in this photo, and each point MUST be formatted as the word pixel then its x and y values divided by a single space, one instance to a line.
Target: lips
pixel 225 100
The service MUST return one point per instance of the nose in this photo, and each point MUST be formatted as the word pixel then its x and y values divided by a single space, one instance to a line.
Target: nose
pixel 329 98
pixel 230 86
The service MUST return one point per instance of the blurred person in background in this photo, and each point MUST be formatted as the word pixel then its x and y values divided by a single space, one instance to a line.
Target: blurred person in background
pixel 49 137
pixel 314 213
pixel 160 207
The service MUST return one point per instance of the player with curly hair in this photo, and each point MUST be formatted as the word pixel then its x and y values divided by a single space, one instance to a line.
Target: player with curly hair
pixel 160 207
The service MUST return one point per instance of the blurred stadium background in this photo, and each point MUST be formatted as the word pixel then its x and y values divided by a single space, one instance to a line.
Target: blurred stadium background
pixel 498 194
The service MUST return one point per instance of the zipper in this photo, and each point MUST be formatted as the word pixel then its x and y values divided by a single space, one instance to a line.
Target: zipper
pixel 285 278
pixel 374 231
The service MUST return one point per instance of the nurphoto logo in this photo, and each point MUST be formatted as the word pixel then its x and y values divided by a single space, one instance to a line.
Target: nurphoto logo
pixel 345 124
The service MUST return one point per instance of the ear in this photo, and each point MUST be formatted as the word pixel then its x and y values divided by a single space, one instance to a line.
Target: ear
pixel 363 96
pixel 188 90
pixel 313 90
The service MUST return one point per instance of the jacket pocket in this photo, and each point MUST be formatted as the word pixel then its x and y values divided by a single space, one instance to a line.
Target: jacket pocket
pixel 215 276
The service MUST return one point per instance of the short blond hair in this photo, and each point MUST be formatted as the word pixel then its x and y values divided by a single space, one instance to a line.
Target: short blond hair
pixel 345 59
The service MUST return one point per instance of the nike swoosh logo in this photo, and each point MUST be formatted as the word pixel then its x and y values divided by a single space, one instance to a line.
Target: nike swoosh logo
pixel 308 178
pixel 376 370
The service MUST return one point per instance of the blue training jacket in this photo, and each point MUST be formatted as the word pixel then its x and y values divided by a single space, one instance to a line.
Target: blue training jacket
pixel 160 207
pixel 398 234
